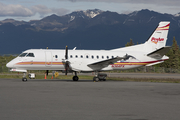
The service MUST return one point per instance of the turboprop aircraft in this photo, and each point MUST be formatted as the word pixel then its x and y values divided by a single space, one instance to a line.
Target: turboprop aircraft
pixel 150 53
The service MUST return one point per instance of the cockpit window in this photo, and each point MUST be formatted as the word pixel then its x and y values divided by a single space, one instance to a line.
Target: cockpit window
pixel 30 55
pixel 22 54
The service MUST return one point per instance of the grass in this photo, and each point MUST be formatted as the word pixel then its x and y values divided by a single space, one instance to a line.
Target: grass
pixel 86 77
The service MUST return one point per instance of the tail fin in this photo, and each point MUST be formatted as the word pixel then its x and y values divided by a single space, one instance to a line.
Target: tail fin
pixel 159 37
pixel 156 41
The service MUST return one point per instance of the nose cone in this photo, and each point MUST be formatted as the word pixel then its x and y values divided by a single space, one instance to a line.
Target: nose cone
pixel 10 65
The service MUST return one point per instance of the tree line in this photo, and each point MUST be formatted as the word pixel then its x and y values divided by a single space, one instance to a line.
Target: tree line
pixel 174 57
pixel 4 59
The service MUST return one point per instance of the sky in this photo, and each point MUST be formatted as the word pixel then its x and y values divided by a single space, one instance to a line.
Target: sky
pixel 27 10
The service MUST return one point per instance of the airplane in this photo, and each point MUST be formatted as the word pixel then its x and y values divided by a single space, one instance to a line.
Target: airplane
pixel 147 54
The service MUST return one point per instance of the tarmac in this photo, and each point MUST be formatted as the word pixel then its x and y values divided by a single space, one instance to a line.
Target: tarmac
pixel 138 75
pixel 88 100
pixel 146 75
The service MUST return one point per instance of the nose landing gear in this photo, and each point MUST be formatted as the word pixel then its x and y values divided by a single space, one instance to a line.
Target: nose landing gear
pixel 24 79
pixel 75 78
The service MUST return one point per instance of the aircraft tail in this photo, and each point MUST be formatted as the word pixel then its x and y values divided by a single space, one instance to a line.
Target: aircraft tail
pixel 156 41
pixel 159 37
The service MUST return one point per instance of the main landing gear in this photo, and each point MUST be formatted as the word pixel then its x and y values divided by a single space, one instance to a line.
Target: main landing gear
pixel 24 79
pixel 75 78
pixel 99 77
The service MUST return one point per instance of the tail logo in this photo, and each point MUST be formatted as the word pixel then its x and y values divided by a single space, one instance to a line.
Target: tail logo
pixel 156 40
pixel 163 28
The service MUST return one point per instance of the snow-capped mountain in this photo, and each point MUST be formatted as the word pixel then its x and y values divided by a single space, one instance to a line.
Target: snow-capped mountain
pixel 90 29
pixel 177 15
pixel 88 14
pixel 92 13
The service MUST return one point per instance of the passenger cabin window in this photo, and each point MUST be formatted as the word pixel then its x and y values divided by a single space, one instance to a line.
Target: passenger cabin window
pixel 71 56
pixel 22 54
pixel 112 56
pixel 30 55
pixel 56 56
pixel 97 57
pixel 76 56
pixel 107 57
pixel 87 56
pixel 102 57
pixel 92 57
pixel 81 56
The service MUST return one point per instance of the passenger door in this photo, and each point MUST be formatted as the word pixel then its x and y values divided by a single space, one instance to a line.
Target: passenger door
pixel 48 57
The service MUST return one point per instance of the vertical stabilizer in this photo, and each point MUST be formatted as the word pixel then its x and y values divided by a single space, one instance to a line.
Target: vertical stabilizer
pixel 158 38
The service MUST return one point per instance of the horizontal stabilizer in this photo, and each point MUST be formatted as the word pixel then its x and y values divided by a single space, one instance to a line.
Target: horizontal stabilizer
pixel 159 53
pixel 154 63
pixel 102 64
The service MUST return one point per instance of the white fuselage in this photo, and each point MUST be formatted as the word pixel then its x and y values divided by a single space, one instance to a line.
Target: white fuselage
pixel 47 59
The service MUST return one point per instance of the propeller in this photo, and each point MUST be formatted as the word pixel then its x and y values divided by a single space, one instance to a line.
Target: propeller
pixel 66 63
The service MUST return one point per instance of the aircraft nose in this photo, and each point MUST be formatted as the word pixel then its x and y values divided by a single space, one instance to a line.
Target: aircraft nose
pixel 9 65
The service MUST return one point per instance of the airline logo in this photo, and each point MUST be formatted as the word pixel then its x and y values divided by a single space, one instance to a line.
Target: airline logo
pixel 156 40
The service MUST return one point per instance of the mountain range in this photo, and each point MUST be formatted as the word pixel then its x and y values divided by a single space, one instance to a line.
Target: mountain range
pixel 90 29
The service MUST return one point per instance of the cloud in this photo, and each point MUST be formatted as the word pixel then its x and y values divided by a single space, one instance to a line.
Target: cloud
pixel 41 9
pixel 14 10
pixel 155 2
pixel 22 11
pixel 60 11
pixel 44 10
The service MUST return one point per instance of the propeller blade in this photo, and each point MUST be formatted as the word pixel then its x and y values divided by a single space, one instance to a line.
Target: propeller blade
pixel 66 54
pixel 66 70
pixel 47 71
pixel 66 64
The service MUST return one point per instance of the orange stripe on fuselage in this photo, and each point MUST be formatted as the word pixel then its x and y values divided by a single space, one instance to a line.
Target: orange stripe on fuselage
pixel 61 63
pixel 39 63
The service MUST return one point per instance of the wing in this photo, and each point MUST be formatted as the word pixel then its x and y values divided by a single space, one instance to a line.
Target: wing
pixel 102 64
